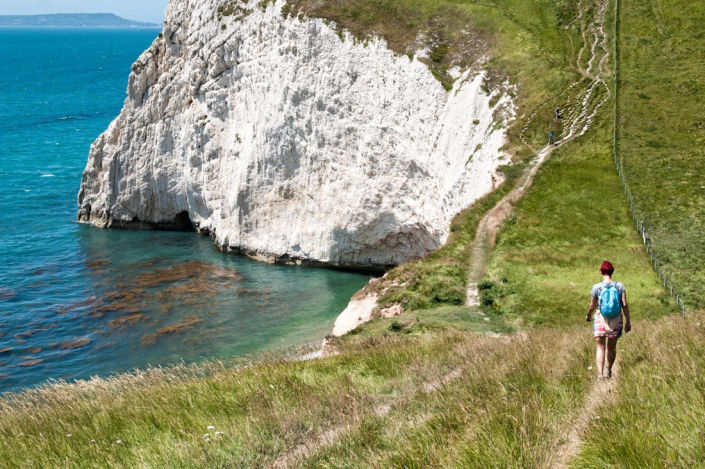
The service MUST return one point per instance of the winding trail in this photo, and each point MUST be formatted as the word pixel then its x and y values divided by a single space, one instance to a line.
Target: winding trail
pixel 319 441
pixel 579 119
pixel 578 123
pixel 600 394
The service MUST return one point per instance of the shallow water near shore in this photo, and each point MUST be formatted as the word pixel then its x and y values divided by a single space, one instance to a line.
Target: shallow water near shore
pixel 76 301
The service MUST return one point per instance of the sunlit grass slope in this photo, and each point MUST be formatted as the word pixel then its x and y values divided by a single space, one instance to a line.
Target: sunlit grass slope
pixel 424 389
pixel 419 400
pixel 448 399
pixel 658 416
pixel 661 132
pixel 440 319
pixel 573 217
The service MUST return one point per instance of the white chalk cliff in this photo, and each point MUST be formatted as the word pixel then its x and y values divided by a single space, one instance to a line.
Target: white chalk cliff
pixel 287 143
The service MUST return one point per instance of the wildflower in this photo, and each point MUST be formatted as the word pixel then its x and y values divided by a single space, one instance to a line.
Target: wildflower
pixel 597 417
pixel 208 439
pixel 206 435
pixel 69 435
pixel 271 386
pixel 218 433
pixel 119 442
pixel 210 427
pixel 589 368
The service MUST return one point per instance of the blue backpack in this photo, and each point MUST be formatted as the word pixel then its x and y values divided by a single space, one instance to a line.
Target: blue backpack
pixel 610 304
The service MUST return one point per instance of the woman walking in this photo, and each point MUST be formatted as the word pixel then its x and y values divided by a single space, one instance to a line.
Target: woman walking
pixel 609 298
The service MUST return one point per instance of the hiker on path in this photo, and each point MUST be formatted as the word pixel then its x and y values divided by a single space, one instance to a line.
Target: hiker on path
pixel 609 298
pixel 550 138
pixel 558 113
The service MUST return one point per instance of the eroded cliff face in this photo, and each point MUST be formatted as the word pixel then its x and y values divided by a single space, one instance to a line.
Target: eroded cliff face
pixel 287 143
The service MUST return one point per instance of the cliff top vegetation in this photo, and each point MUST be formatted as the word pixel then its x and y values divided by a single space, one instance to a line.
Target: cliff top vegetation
pixel 526 43
pixel 425 389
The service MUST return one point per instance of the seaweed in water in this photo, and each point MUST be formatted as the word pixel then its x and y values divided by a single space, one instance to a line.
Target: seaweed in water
pixel 187 323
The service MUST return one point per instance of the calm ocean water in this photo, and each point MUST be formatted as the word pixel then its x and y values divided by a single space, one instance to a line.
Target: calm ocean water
pixel 76 301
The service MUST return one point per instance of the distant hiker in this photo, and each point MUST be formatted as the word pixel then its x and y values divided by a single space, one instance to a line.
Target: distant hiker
pixel 550 138
pixel 558 113
pixel 494 180
pixel 609 298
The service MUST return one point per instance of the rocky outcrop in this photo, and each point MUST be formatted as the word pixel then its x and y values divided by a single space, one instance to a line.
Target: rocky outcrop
pixel 288 141
pixel 358 311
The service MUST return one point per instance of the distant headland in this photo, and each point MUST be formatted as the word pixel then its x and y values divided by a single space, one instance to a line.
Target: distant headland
pixel 71 20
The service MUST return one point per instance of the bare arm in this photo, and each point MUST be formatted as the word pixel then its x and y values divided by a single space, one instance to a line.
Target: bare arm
pixel 625 308
pixel 591 308
pixel 593 305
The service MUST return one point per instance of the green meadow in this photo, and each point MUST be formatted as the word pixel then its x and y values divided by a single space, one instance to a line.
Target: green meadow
pixel 509 383
pixel 661 132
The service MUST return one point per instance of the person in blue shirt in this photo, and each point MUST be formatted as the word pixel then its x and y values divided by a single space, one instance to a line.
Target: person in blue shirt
pixel 550 138
pixel 607 330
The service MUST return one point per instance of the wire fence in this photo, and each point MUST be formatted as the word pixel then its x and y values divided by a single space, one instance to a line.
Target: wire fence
pixel 667 284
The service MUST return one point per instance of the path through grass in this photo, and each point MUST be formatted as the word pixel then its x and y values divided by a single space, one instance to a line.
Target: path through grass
pixel 573 217
pixel 435 399
pixel 658 414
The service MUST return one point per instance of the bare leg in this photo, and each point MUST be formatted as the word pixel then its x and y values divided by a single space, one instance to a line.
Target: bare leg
pixel 611 352
pixel 600 355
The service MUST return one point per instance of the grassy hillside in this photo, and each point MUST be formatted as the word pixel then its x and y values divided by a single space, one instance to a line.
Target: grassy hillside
pixel 418 400
pixel 574 215
pixel 448 399
pixel 425 389
pixel 661 132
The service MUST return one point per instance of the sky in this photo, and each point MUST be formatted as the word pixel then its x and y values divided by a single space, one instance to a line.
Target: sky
pixel 150 11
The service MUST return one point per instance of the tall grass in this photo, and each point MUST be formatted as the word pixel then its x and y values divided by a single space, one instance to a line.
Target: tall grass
pixel 509 408
pixel 441 399
pixel 161 418
pixel 658 417
pixel 382 401
pixel 661 132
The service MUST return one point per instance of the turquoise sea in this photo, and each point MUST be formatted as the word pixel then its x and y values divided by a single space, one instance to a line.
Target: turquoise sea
pixel 77 301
